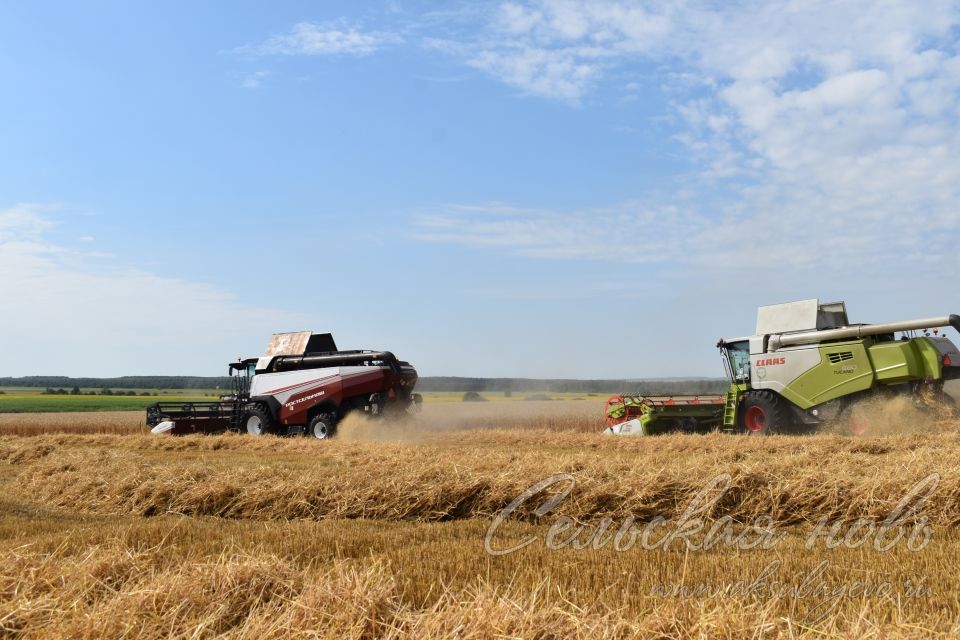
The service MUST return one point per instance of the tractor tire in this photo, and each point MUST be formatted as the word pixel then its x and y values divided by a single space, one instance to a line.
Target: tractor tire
pixel 322 427
pixel 259 421
pixel 763 413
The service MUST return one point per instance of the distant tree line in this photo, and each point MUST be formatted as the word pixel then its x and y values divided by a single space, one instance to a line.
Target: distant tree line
pixel 57 384
pixel 75 391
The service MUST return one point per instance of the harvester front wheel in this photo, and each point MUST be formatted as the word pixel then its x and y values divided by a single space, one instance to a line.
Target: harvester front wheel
pixel 322 427
pixel 259 421
pixel 763 413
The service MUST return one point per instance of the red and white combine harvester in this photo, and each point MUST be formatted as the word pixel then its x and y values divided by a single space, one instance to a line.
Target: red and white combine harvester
pixel 301 385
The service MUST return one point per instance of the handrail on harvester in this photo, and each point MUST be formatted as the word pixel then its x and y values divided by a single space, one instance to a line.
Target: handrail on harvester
pixel 668 401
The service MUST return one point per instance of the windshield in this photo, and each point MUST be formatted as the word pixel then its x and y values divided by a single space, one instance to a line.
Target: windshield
pixel 241 373
pixel 738 360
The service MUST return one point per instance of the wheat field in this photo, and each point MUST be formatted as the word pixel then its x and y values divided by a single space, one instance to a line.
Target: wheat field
pixel 384 532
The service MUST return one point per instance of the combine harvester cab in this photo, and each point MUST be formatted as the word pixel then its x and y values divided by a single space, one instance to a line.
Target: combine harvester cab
pixel 302 385
pixel 807 366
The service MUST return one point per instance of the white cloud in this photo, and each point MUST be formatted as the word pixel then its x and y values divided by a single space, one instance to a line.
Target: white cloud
pixel 541 72
pixel 558 49
pixel 101 318
pixel 330 38
pixel 827 134
pixel 22 222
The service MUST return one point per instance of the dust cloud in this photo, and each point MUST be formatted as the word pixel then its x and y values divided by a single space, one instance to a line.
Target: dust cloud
pixel 446 416
pixel 953 388
pixel 877 417
pixel 893 415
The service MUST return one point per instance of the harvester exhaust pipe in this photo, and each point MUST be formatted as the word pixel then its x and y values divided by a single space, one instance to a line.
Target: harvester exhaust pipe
pixel 859 331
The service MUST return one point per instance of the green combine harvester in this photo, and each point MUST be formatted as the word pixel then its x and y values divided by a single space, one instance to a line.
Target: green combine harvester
pixel 806 366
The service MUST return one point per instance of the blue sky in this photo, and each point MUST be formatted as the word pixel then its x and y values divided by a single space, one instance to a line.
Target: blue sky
pixel 535 189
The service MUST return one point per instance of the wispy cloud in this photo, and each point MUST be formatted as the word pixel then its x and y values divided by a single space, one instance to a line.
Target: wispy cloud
pixel 825 134
pixel 541 72
pixel 323 39
pixel 253 80
pixel 23 222
pixel 103 318
pixel 558 50
pixel 585 234
pixel 736 240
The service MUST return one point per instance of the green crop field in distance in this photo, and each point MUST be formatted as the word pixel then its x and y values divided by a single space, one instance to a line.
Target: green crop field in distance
pixel 38 403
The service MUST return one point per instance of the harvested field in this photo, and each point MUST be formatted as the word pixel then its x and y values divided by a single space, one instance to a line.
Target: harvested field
pixel 251 592
pixel 458 476
pixel 570 415
pixel 380 535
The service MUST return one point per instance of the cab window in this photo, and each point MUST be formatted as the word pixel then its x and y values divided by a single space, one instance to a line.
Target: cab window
pixel 738 359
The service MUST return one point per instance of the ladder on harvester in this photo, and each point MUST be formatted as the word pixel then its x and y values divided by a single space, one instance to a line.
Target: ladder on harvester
pixel 730 409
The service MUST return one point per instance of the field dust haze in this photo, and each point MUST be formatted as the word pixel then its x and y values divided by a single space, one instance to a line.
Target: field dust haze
pixel 892 415
pixel 581 416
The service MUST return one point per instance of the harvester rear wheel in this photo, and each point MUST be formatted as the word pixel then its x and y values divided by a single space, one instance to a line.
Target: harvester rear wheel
pixel 322 427
pixel 258 421
pixel 763 413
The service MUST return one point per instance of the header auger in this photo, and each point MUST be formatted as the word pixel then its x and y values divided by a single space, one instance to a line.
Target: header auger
pixel 806 366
